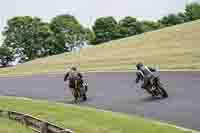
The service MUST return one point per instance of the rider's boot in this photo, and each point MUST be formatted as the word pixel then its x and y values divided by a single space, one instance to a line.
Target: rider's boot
pixel 84 97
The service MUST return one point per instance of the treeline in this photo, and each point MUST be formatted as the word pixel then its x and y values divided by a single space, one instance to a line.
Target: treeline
pixel 107 28
pixel 29 37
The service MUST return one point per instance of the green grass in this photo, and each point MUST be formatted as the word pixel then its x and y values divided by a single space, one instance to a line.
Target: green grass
pixel 85 120
pixel 8 126
pixel 175 47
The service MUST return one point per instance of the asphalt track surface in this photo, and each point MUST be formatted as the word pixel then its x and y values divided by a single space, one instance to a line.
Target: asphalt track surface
pixel 117 92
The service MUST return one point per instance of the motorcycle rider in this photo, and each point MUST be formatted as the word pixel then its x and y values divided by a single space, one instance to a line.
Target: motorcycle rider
pixel 146 74
pixel 73 75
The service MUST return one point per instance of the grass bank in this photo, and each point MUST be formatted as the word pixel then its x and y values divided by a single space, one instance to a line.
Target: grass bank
pixel 85 120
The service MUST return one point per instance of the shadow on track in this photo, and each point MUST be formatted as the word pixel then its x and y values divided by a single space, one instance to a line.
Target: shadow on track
pixel 71 101
pixel 151 99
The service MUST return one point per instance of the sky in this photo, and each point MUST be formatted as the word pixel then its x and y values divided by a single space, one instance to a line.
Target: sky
pixel 86 11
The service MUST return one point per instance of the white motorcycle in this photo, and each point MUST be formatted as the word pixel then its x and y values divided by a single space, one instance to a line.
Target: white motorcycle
pixel 83 91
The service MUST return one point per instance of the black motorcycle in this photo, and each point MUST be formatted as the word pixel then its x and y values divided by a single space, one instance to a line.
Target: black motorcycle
pixel 153 86
pixel 156 88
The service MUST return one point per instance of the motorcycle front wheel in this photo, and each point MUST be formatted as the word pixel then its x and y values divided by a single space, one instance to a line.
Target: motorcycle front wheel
pixel 163 92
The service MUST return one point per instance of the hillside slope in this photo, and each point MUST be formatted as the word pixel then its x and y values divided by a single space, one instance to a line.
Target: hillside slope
pixel 176 47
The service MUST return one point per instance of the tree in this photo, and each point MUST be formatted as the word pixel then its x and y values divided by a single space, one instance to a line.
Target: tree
pixel 6 56
pixel 192 11
pixel 52 43
pixel 61 22
pixel 171 19
pixel 32 38
pixel 28 34
pixel 184 17
pixel 128 26
pixel 90 35
pixel 71 34
pixel 150 26
pixel 105 29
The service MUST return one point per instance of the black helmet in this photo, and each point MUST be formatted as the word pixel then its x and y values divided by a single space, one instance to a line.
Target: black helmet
pixel 73 68
pixel 139 65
